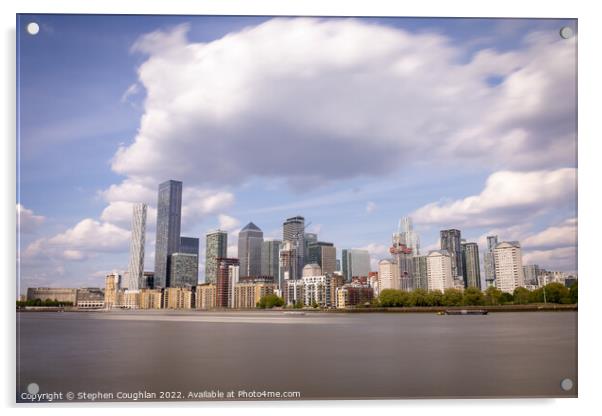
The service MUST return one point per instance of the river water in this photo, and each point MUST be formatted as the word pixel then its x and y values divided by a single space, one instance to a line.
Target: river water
pixel 159 355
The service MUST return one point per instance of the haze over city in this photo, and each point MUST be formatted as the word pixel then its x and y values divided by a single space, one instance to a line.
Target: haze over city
pixel 353 125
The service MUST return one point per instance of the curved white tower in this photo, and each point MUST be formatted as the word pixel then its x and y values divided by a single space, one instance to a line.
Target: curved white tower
pixel 136 267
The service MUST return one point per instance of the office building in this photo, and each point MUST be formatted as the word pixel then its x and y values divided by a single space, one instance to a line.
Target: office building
pixel 489 261
pixel 270 257
pixel 420 272
pixel 308 239
pixel 439 270
pixel 388 275
pixel 531 271
pixel 288 263
pixel 355 262
pixel 189 245
pixel 324 254
pixel 508 266
pixel 451 242
pixel 169 213
pixel 89 298
pixel 184 270
pixel 227 277
pixel 250 241
pixel 293 230
pixel 471 265
pixel 136 266
pixel 403 256
pixel 216 247
pixel 64 295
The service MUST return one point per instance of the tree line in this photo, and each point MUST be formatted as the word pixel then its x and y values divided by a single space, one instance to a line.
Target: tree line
pixel 40 302
pixel 472 296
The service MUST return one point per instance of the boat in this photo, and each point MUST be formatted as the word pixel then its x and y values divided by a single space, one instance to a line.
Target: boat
pixel 466 312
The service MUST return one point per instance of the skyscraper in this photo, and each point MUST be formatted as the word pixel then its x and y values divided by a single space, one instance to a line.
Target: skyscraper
pixel 472 267
pixel 293 230
pixel 288 263
pixel 136 266
pixel 216 247
pixel 388 275
pixel 489 261
pixel 189 245
pixel 420 272
pixel 324 254
pixel 508 266
pixel 407 235
pixel 450 241
pixel 531 272
pixel 227 277
pixel 356 263
pixel 184 270
pixel 439 270
pixel 308 239
pixel 403 258
pixel 169 214
pixel 270 252
pixel 250 240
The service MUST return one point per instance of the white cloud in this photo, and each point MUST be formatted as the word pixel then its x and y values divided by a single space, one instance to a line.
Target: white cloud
pixel 120 213
pixel 370 207
pixel 377 252
pixel 507 196
pixel 557 259
pixel 360 97
pixel 27 221
pixel 562 235
pixel 227 223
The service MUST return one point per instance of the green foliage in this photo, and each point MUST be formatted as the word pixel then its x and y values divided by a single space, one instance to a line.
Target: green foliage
pixel 521 296
pixel 557 293
pixel 269 301
pixel 506 298
pixel 298 304
pixel 452 297
pixel 573 293
pixel 394 297
pixel 473 297
pixel 40 302
pixel 493 296
pixel 419 297
pixel 435 298
pixel 314 304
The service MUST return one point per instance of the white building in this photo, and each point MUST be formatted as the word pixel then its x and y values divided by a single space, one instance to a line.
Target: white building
pixel 233 275
pixel 316 289
pixel 136 266
pixel 294 291
pixel 439 270
pixel 312 269
pixel 508 266
pixel 388 275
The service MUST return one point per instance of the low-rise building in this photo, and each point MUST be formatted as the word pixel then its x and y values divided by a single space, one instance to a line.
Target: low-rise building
pixel 206 295
pixel 178 298
pixel 352 295
pixel 151 298
pixel 67 295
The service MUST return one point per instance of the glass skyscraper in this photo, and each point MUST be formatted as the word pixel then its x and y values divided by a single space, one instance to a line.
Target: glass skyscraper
pixel 293 230
pixel 250 240
pixel 270 252
pixel 169 215
pixel 489 260
pixel 450 241
pixel 216 247
pixel 471 264
pixel 189 245
pixel 356 263
pixel 136 266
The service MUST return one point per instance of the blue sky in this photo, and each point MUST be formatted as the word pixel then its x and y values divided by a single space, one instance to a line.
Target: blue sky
pixel 353 123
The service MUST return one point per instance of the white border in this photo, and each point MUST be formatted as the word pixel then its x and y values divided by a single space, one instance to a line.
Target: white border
pixel 590 228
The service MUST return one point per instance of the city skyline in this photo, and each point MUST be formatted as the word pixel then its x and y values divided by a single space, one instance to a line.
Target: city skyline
pixel 508 176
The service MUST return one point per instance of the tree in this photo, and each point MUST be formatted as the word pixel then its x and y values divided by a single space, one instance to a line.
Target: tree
pixel 473 296
pixel 557 293
pixel 269 301
pixel 394 297
pixel 506 298
pixel 492 296
pixel 521 296
pixel 573 293
pixel 452 297
pixel 435 298
pixel 419 297
pixel 298 304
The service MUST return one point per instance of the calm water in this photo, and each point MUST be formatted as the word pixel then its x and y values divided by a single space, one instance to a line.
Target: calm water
pixel 318 355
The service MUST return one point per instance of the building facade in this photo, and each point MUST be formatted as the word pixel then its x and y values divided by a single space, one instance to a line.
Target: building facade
pixel 508 266
pixel 420 272
pixel 250 241
pixel 439 270
pixel 288 263
pixel 355 263
pixel 293 230
pixel 184 270
pixel 112 288
pixel 227 277
pixel 324 254
pixel 169 215
pixel 206 296
pixel 451 242
pixel 471 265
pixel 270 258
pixel 67 295
pixel 137 240
pixel 489 261
pixel 216 247
pixel 531 272
pixel 178 298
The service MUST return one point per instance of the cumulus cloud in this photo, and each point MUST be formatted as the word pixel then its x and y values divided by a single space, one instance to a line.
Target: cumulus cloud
pixel 563 235
pixel 557 259
pixel 507 196
pixel 227 223
pixel 120 213
pixel 85 239
pixel 348 97
pixel 27 221
pixel 370 207
pixel 377 252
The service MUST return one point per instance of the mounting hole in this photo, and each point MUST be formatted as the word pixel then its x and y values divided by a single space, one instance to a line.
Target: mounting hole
pixel 33 28
pixel 33 388
pixel 566 32
pixel 566 384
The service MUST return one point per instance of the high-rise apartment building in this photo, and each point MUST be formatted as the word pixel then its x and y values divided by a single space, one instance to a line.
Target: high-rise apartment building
pixel 531 272
pixel 420 273
pixel 270 255
pixel 489 261
pixel 112 288
pixel 136 266
pixel 388 275
pixel 228 270
pixel 407 236
pixel 439 270
pixel 293 230
pixel 324 254
pixel 288 264
pixel 169 215
pixel 356 263
pixel 508 266
pixel 216 246
pixel 451 242
pixel 250 240
pixel 403 256
pixel 471 265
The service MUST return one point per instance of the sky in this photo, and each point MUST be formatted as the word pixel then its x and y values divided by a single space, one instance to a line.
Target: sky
pixel 350 122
